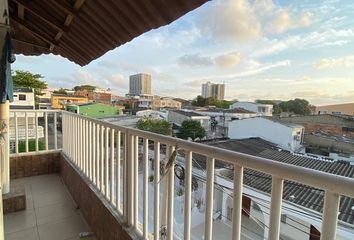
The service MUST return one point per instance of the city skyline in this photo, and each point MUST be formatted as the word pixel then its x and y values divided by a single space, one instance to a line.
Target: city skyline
pixel 275 50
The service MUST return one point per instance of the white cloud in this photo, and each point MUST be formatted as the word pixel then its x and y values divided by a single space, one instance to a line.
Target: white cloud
pixel 315 39
pixel 230 20
pixel 226 60
pixel 194 60
pixel 347 61
pixel 284 21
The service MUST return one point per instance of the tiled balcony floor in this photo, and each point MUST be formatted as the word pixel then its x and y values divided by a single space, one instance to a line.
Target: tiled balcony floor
pixel 51 213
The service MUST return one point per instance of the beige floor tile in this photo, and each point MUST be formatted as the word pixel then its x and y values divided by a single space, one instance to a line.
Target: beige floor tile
pixel 27 234
pixel 46 186
pixel 53 197
pixel 55 212
pixel 63 229
pixel 17 221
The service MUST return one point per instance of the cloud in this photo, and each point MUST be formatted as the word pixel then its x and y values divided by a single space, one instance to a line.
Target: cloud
pixel 347 61
pixel 284 22
pixel 226 60
pixel 194 60
pixel 315 39
pixel 118 81
pixel 230 20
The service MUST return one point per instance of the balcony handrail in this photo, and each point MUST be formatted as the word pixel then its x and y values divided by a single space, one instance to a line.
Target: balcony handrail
pixel 307 176
pixel 98 149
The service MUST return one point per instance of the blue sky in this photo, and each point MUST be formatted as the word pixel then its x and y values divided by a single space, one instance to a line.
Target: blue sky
pixel 261 49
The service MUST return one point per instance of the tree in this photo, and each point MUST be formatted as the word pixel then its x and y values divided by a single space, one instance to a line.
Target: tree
pixel 211 101
pixel 297 106
pixel 89 88
pixel 28 79
pixel 191 129
pixel 154 125
pixel 60 91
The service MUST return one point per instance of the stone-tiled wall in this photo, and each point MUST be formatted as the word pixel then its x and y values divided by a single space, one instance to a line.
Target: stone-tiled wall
pixel 33 165
pixel 103 222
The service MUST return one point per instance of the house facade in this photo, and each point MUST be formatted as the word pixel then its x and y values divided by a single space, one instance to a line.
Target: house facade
pixel 260 109
pixel 287 136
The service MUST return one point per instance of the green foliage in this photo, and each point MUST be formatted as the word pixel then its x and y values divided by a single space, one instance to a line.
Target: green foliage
pixel 60 91
pixel 28 79
pixel 179 192
pixel 213 124
pixel 191 129
pixel 151 178
pixel 211 101
pixel 154 125
pixel 297 106
pixel 31 146
pixel 89 88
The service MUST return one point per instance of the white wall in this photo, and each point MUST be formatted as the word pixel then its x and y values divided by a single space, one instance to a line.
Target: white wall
pixel 28 102
pixel 254 107
pixel 271 131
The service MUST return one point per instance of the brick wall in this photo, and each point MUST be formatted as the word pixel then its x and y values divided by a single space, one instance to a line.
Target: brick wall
pixel 95 208
pixel 33 165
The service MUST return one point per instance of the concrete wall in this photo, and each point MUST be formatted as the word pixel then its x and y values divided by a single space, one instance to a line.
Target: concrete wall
pixel 271 131
pixel 347 108
pixel 332 145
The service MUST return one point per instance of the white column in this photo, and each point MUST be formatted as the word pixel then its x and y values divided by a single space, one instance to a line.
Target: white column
pixel 5 147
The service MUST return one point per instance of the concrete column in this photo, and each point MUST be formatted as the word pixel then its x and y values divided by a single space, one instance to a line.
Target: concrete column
pixel 5 147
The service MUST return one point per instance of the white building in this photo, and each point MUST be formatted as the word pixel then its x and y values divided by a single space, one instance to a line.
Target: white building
pixel 23 98
pixel 261 109
pixel 213 90
pixel 288 136
pixel 140 84
pixel 178 117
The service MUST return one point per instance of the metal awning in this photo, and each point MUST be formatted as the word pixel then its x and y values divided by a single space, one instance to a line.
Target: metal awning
pixel 82 31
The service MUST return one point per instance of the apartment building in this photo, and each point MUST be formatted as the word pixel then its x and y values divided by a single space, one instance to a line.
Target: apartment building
pixel 140 84
pixel 23 98
pixel 213 90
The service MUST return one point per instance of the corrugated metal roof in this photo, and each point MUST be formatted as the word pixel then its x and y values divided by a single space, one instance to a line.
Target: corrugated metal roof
pixel 297 193
pixel 84 30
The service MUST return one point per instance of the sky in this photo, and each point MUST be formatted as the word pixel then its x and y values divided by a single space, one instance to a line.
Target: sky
pixel 261 49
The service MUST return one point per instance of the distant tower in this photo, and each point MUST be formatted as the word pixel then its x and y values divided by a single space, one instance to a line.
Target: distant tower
pixel 216 90
pixel 140 84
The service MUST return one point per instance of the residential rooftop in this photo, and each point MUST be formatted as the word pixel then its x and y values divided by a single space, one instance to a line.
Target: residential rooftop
pixel 188 114
pixel 302 195
pixel 23 89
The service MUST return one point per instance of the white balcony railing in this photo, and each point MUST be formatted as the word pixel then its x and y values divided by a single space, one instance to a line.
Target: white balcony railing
pixel 104 152
pixel 108 156
pixel 39 127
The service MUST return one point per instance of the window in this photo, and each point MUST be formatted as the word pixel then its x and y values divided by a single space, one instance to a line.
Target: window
pixel 22 97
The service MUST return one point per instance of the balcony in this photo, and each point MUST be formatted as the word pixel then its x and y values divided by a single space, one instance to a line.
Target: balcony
pixel 117 177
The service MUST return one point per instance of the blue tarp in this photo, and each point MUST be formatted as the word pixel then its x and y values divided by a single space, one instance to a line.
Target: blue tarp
pixel 7 57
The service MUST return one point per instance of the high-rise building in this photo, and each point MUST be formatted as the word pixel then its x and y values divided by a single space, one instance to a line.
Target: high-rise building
pixel 140 84
pixel 216 90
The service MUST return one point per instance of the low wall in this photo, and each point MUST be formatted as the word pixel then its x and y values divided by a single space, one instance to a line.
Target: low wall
pixel 35 164
pixel 99 214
